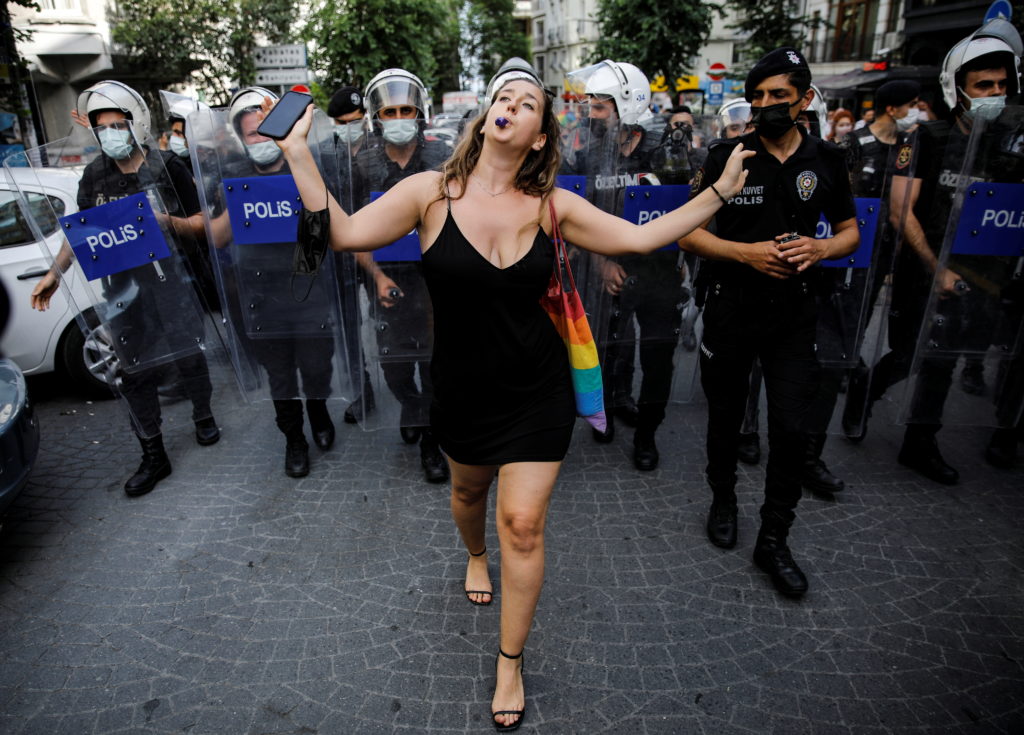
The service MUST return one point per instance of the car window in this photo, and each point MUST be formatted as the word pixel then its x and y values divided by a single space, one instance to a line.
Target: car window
pixel 14 230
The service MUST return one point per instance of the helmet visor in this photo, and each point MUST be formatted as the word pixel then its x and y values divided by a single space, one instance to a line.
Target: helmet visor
pixel 396 92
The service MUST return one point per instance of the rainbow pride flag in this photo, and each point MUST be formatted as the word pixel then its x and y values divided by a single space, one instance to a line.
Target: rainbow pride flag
pixel 567 314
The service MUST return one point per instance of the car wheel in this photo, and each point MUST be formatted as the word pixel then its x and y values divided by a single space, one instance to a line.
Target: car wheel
pixel 90 360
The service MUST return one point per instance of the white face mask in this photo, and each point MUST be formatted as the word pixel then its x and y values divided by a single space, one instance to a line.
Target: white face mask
pixel 987 108
pixel 116 143
pixel 349 132
pixel 263 153
pixel 400 132
pixel 903 124
pixel 178 146
pixel 843 128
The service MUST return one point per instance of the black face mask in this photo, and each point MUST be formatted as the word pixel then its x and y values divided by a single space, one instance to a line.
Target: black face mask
pixel 773 121
pixel 598 127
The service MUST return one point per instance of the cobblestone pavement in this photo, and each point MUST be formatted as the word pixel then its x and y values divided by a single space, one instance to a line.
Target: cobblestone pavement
pixel 235 600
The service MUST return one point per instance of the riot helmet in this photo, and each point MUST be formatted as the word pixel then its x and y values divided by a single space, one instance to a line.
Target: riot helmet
pixel 244 102
pixel 734 117
pixel 178 107
pixel 998 36
pixel 622 83
pixel 396 88
pixel 514 68
pixel 113 95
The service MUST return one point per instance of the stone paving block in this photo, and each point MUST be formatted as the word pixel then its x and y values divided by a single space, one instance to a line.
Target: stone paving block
pixel 244 601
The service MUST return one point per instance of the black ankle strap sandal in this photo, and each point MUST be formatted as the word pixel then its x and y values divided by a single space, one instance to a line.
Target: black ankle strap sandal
pixel 521 712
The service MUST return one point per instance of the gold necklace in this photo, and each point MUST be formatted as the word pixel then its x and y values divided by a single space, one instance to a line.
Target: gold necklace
pixel 486 190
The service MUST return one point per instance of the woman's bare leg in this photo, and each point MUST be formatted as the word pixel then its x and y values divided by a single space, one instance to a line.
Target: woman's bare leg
pixel 469 509
pixel 524 491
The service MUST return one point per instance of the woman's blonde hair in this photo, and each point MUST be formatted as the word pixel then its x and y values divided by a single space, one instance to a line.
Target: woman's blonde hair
pixel 536 176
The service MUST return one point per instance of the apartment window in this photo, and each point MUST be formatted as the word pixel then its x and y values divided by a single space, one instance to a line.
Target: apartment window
pixel 855 29
pixel 61 5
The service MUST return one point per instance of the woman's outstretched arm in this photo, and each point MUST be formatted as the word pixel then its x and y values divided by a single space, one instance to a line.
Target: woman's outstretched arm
pixel 585 225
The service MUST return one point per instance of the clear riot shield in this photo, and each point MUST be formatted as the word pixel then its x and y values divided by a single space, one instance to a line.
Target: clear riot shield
pixel 968 367
pixel 639 304
pixel 851 322
pixel 278 282
pixel 397 319
pixel 125 264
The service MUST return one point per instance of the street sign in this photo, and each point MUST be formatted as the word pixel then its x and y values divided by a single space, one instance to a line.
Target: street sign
pixel 716 92
pixel 717 71
pixel 266 77
pixel 286 56
pixel 998 9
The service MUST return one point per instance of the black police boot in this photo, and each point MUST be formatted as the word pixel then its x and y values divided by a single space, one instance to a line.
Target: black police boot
pixel 320 423
pixel 749 449
pixel 920 452
pixel 972 377
pixel 856 410
pixel 722 519
pixel 362 406
pixel 207 432
pixel 435 469
pixel 815 475
pixel 296 456
pixel 154 467
pixel 296 451
pixel 606 436
pixel 645 451
pixel 1001 451
pixel 772 556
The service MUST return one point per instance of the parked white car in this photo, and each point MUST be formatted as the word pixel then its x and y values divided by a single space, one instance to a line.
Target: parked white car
pixel 40 342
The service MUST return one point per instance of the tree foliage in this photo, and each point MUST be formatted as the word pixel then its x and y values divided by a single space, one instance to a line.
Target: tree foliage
pixel 352 40
pixel 492 36
pixel 662 36
pixel 769 24
pixel 209 41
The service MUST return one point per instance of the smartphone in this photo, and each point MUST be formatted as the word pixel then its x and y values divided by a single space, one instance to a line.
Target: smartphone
pixel 285 114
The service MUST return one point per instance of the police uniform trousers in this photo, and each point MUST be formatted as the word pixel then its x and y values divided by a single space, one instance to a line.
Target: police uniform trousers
pixel 776 326
pixel 409 333
pixel 911 290
pixel 148 333
pixel 285 360
pixel 652 294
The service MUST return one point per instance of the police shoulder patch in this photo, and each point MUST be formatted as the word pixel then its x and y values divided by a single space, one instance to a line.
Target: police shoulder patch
pixel 904 155
pixel 806 183
pixel 697 180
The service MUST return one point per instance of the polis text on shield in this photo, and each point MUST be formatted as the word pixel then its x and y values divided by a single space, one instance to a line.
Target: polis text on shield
pixel 110 238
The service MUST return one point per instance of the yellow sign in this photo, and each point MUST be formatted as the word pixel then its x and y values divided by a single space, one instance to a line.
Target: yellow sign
pixel 659 84
pixel 687 83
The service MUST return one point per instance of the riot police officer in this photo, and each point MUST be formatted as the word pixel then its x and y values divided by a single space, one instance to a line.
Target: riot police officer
pixel 645 288
pixel 292 351
pixel 396 103
pixel 120 121
pixel 977 75
pixel 761 303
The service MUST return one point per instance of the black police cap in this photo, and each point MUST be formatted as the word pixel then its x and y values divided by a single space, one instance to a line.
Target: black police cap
pixel 897 92
pixel 344 101
pixel 780 61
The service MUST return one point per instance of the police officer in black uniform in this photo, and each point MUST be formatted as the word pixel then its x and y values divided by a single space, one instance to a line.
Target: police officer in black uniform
pixel 396 101
pixel 980 70
pixel 121 119
pixel 761 300
pixel 284 357
pixel 870 151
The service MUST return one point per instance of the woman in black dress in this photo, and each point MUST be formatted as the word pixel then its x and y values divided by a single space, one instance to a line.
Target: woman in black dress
pixel 503 400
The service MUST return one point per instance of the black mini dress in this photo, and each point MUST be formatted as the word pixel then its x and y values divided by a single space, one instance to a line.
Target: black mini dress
pixel 502 387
